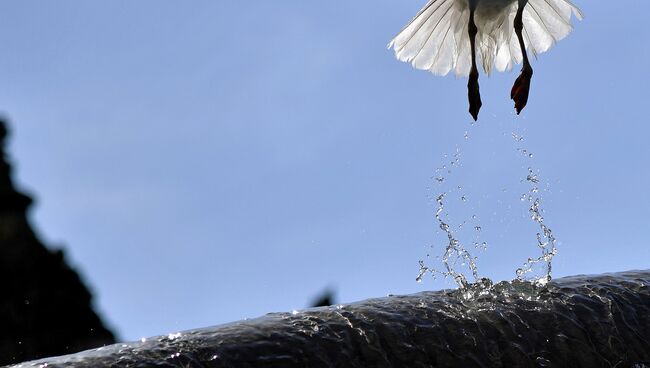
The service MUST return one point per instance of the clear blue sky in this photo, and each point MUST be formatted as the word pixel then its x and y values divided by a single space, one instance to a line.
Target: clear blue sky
pixel 207 162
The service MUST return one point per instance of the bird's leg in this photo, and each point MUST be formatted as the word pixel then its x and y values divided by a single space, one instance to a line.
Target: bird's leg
pixel 473 93
pixel 520 89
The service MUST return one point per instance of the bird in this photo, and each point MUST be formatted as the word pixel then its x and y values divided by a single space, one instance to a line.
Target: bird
pixel 450 35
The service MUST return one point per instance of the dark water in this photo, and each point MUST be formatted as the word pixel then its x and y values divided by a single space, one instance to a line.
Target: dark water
pixel 582 321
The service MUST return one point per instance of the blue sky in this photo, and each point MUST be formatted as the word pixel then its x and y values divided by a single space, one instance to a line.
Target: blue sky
pixel 215 161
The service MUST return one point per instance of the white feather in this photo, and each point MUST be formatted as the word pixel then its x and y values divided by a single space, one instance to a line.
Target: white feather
pixel 437 40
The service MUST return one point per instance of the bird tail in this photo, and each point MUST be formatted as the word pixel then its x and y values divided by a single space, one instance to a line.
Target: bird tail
pixel 436 39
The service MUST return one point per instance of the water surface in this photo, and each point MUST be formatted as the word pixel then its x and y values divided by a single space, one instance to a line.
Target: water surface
pixel 581 321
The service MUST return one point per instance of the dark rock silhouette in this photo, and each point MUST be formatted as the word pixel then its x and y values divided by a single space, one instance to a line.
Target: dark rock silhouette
pixel 582 321
pixel 45 309
pixel 326 298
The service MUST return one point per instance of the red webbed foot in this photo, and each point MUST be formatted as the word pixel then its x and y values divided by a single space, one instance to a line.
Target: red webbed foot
pixel 520 89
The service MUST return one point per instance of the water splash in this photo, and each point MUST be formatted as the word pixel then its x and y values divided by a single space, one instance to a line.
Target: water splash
pixel 546 241
pixel 457 260
pixel 456 256
pixel 454 251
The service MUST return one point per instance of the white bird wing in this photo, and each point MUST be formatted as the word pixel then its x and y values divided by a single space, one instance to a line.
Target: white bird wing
pixel 437 40
pixel 434 39
pixel 545 23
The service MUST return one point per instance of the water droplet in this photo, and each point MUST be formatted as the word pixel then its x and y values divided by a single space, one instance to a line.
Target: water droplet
pixel 517 137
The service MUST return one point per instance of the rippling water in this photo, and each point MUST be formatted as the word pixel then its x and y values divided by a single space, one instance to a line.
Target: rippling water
pixel 582 321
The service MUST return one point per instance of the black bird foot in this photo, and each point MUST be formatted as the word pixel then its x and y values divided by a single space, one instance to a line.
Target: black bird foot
pixel 474 95
pixel 520 89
